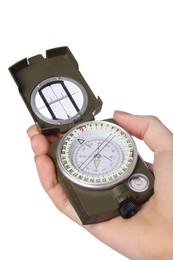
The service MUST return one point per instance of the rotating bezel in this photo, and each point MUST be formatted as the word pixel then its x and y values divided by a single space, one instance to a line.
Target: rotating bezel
pixel 111 179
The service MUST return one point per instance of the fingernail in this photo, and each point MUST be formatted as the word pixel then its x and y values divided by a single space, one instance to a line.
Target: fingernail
pixel 122 112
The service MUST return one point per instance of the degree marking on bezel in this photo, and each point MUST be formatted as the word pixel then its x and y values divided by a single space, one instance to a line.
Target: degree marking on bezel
pixel 109 179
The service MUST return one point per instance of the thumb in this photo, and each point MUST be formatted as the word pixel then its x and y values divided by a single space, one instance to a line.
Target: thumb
pixel 148 128
pixel 159 139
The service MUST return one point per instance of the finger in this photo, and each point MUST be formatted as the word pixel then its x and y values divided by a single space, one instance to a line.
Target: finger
pixel 39 144
pixel 32 130
pixel 48 179
pixel 46 172
pixel 148 128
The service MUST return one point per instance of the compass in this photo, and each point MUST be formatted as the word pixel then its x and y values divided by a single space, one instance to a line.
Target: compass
pixel 100 170
pixel 96 162
pixel 97 154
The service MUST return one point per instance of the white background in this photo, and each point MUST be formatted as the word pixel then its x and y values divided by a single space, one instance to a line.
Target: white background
pixel 125 53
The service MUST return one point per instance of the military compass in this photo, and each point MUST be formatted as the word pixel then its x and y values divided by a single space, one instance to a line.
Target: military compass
pixel 97 162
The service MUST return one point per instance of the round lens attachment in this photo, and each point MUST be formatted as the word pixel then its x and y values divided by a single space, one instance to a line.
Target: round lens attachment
pixel 138 182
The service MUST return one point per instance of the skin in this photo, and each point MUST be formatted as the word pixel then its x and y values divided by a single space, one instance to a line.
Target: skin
pixel 148 234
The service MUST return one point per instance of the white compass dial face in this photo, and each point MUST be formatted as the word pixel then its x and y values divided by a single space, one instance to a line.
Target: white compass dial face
pixel 97 154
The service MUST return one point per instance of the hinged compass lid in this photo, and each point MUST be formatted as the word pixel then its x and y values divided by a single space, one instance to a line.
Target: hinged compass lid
pixel 54 91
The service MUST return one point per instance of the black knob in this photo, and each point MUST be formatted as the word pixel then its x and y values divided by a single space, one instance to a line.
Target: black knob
pixel 128 208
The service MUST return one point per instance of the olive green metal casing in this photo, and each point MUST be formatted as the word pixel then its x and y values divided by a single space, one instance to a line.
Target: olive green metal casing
pixel 93 206
pixel 59 62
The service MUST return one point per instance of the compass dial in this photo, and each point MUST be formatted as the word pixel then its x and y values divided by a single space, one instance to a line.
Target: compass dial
pixel 101 162
pixel 97 154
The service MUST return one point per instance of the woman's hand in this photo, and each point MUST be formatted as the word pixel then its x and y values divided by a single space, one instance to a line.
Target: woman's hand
pixel 148 234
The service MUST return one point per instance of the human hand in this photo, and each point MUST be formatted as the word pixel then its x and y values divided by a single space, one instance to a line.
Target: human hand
pixel 148 234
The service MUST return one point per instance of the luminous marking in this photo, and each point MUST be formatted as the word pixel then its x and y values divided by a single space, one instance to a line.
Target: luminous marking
pixel 97 162
pixel 100 155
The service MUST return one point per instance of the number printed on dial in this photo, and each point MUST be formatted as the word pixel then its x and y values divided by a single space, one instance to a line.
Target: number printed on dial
pixel 97 154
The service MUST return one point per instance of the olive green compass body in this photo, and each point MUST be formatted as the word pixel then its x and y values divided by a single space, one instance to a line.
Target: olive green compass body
pixel 97 163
